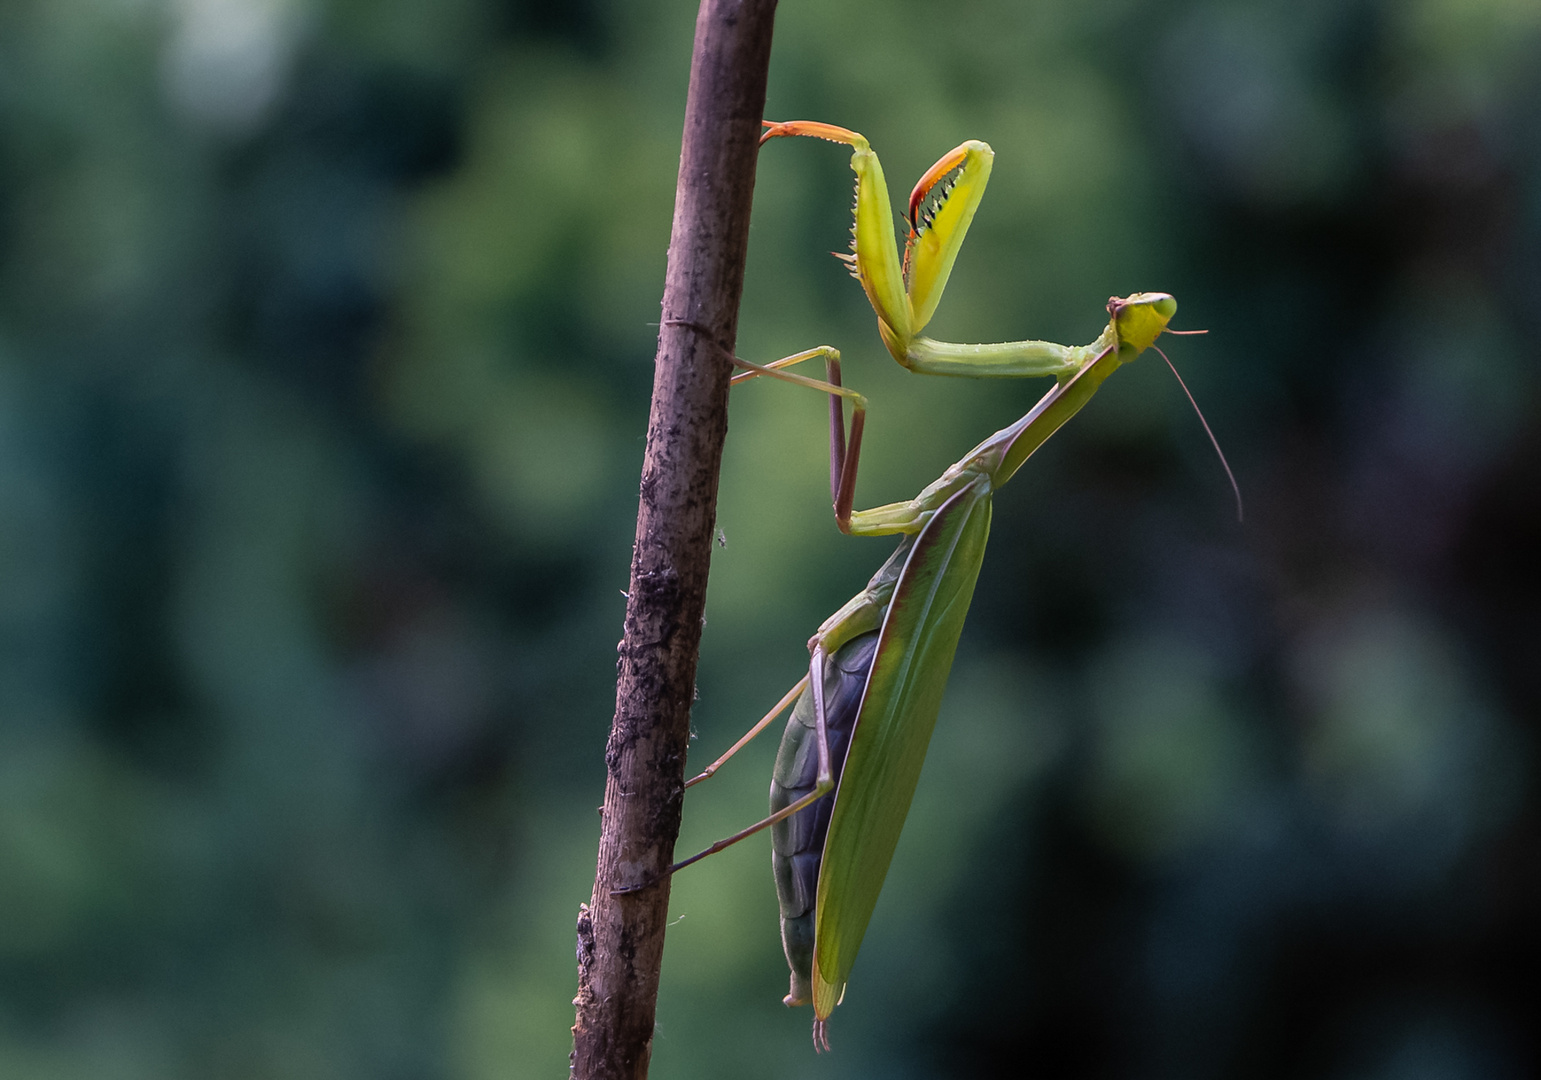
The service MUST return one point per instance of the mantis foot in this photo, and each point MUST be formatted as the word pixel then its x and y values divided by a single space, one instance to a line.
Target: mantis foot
pixel 627 890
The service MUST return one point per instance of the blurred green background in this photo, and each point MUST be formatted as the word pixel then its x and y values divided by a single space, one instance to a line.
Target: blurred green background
pixel 326 331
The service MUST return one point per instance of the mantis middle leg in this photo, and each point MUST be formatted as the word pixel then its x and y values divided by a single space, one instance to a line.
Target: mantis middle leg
pixel 844 454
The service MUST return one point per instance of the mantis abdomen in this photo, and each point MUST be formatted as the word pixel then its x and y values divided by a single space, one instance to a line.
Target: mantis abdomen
pixel 797 843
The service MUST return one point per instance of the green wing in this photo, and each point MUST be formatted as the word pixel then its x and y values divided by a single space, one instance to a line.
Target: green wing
pixel 893 730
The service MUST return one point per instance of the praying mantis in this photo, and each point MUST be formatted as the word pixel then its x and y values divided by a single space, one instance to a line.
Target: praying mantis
pixel 863 716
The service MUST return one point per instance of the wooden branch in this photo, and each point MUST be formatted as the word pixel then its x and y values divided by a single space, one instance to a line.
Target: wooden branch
pixel 620 938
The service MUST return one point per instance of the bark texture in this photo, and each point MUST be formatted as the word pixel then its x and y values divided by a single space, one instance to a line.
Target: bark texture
pixel 620 938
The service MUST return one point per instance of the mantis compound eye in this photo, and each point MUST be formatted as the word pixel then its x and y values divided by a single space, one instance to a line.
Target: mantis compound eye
pixel 1162 305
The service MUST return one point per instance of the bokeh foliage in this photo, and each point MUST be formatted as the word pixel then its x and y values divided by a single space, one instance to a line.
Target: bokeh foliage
pixel 325 331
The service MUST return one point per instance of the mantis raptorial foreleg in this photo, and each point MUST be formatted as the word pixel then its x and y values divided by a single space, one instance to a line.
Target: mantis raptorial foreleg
pixel 905 292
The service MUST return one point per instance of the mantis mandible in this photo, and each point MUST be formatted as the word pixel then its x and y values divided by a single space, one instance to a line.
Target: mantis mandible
pixel 864 713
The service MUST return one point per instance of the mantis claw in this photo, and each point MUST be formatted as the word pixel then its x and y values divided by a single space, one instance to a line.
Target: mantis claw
pixel 829 132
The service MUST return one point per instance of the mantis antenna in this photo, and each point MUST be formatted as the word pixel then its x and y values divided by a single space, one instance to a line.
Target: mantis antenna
pixel 1236 488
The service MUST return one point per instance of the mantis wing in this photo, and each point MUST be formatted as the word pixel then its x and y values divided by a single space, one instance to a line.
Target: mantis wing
pixel 893 730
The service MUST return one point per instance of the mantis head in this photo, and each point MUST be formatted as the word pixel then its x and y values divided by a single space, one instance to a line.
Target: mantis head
pixel 1139 320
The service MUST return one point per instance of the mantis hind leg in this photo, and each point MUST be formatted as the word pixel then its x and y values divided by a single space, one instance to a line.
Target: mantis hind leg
pixel 824 785
pixel 749 736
